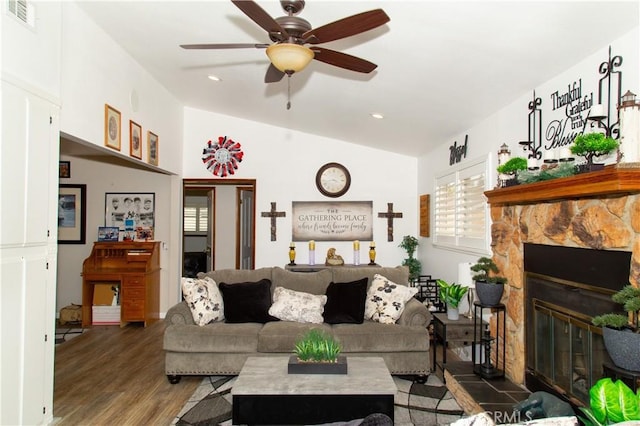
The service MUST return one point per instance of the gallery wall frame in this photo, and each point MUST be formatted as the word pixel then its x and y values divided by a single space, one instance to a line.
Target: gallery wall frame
pixel 64 169
pixel 152 148
pixel 72 213
pixel 135 140
pixel 129 210
pixel 112 127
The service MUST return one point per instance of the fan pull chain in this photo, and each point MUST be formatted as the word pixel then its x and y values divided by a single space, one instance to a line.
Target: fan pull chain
pixel 288 91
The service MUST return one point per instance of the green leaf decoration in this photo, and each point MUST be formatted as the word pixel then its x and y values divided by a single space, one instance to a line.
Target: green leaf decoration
pixel 598 398
pixel 628 403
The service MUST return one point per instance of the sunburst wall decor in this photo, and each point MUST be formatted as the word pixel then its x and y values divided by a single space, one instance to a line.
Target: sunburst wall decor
pixel 221 158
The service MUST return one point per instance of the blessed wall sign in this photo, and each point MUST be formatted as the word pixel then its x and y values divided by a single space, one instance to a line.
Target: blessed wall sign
pixel 332 220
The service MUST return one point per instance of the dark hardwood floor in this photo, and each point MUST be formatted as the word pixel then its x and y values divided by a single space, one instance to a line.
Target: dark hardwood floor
pixel 115 376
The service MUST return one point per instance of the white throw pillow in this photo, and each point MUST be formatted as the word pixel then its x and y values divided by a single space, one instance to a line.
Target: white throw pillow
pixel 204 300
pixel 386 300
pixel 290 305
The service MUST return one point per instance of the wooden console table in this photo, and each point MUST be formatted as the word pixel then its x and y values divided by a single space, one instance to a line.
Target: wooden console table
pixel 320 267
pixel 135 268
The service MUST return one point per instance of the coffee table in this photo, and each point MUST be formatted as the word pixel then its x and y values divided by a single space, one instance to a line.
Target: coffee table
pixel 264 393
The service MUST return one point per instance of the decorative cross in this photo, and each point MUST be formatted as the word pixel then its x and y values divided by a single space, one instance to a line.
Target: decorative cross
pixel 390 215
pixel 273 214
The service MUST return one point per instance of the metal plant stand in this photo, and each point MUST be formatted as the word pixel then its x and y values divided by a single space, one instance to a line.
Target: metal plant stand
pixel 482 336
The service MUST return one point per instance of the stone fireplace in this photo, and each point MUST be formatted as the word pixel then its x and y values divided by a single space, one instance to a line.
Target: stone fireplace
pixel 596 211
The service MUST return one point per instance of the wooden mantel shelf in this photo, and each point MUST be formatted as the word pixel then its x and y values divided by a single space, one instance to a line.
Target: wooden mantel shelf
pixel 612 180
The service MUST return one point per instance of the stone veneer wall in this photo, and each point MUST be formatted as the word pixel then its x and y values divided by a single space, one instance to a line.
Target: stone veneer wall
pixel 611 223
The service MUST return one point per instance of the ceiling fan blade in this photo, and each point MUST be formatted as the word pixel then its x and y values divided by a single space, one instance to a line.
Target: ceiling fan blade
pixel 273 74
pixel 343 60
pixel 346 27
pixel 225 46
pixel 262 18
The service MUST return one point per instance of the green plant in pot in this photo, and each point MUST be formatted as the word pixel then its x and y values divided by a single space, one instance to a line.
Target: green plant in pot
pixel 590 145
pixel 451 295
pixel 317 346
pixel 611 403
pixel 512 167
pixel 410 244
pixel 489 284
pixel 621 332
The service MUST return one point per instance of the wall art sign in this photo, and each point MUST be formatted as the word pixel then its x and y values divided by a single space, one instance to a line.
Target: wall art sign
pixel 222 157
pixel 332 220
pixel 457 152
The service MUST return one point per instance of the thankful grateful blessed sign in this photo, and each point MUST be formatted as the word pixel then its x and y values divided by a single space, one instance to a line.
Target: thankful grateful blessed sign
pixel 332 221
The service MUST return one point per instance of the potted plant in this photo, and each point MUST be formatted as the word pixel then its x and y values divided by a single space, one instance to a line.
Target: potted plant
pixel 621 333
pixel 489 285
pixel 317 352
pixel 451 295
pixel 592 145
pixel 409 244
pixel 511 169
pixel 611 403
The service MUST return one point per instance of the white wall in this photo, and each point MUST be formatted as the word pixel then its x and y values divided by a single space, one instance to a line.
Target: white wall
pixel 510 125
pixel 284 163
pixel 225 227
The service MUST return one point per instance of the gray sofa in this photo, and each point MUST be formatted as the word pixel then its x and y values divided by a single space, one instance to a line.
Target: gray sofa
pixel 221 348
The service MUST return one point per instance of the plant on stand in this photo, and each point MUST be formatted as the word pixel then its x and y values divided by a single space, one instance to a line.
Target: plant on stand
pixel 621 332
pixel 489 285
pixel 451 295
pixel 409 244
pixel 590 145
pixel 511 168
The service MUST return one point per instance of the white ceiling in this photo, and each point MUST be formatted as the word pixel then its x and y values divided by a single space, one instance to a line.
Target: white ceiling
pixel 443 66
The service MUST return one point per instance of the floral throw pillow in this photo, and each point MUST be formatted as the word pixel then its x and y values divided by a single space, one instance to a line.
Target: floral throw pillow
pixel 204 300
pixel 290 305
pixel 386 300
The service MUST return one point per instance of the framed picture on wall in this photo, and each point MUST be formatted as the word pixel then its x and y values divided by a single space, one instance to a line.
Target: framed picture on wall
pixel 135 140
pixel 72 214
pixel 152 148
pixel 129 210
pixel 112 127
pixel 64 170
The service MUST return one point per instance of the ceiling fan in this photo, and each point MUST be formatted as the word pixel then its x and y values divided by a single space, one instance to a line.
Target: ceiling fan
pixel 290 34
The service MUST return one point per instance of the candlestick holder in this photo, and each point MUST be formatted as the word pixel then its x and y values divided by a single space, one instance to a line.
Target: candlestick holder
pixel 372 255
pixel 292 255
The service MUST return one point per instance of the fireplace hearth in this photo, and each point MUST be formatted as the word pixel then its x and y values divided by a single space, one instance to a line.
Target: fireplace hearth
pixel 564 288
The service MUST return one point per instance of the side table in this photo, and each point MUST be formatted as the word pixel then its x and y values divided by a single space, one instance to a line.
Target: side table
pixel 482 335
pixel 446 331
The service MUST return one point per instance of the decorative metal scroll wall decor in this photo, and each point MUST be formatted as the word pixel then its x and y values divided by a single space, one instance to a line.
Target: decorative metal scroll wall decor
pixel 610 76
pixel 534 143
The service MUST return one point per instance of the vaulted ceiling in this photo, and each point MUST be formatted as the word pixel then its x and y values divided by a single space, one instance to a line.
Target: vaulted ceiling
pixel 443 66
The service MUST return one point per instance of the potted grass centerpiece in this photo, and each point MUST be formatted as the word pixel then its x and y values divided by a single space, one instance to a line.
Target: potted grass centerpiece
pixel 317 352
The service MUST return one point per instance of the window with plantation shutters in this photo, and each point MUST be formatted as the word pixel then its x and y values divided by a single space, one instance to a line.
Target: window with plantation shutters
pixel 461 218
pixel 195 219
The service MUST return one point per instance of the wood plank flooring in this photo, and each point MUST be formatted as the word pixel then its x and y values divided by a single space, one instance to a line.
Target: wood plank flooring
pixel 115 376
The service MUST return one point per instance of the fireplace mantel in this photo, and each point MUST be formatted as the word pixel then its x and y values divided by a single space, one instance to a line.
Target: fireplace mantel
pixel 610 181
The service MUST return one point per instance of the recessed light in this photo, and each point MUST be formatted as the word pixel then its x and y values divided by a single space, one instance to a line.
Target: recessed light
pixel 214 78
pixel 377 115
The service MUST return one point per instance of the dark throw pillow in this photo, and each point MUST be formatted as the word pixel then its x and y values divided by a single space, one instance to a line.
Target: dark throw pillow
pixel 345 302
pixel 247 302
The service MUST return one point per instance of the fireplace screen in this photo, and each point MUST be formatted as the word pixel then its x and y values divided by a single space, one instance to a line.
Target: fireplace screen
pixel 569 352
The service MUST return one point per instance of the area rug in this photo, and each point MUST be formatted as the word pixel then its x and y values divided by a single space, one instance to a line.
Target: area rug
pixel 415 403
pixel 64 333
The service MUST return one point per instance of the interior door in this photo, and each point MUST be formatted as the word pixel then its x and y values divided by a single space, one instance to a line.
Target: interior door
pixel 246 227
pixel 211 234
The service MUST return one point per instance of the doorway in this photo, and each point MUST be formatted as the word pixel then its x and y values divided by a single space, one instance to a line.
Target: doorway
pixel 218 225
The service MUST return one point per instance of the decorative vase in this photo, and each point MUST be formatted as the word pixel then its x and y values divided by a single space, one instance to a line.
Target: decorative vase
pixel 489 294
pixel 296 366
pixel 453 313
pixel 623 347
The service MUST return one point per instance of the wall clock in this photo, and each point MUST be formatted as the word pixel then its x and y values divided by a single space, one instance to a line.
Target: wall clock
pixel 333 180
pixel 221 158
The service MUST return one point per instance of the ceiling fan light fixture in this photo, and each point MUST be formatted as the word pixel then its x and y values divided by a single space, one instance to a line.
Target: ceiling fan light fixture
pixel 289 57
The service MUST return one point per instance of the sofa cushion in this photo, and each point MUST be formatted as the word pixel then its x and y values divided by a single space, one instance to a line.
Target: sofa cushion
pixel 247 302
pixel 218 337
pixel 290 305
pixel 398 274
pixel 308 282
pixel 237 275
pixel 373 336
pixel 281 336
pixel 386 299
pixel 204 299
pixel 345 302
